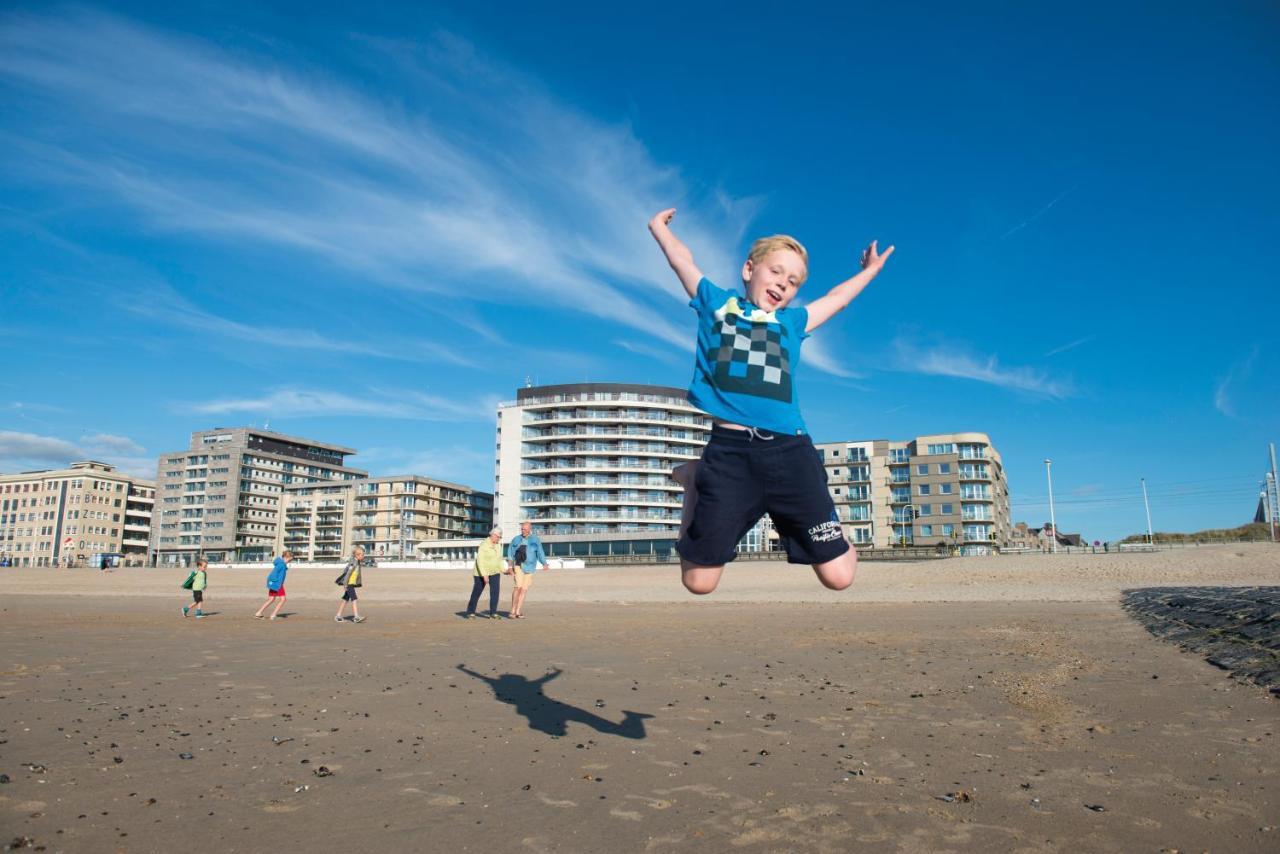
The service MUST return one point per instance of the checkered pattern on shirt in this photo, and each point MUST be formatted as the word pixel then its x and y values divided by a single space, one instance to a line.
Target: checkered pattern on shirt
pixel 752 359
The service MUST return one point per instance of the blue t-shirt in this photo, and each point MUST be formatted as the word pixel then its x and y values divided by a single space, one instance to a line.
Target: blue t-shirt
pixel 745 364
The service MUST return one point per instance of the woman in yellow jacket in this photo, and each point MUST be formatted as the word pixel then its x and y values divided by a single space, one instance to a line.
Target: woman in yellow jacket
pixel 488 571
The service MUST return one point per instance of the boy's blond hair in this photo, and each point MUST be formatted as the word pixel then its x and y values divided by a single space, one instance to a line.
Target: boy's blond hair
pixel 773 242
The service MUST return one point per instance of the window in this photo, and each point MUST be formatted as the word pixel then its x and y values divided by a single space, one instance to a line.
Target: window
pixel 926 509
pixel 947 509
pixel 924 489
pixel 946 448
pixel 944 489
pixel 922 468
pixel 948 530
pixel 926 530
pixel 944 468
pixel 899 455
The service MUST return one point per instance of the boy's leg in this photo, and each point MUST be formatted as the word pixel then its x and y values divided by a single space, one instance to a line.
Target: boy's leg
pixel 685 475
pixel 805 516
pixel 342 608
pixel 838 574
pixel 699 579
pixel 264 607
pixel 279 605
pixel 723 499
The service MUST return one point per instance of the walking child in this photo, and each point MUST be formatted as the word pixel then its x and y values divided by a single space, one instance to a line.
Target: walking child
pixel 351 578
pixel 199 581
pixel 275 584
pixel 760 458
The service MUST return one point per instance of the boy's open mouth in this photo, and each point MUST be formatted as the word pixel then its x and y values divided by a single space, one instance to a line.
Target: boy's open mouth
pixel 773 295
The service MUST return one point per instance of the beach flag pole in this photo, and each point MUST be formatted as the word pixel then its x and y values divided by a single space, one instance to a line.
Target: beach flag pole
pixel 1053 520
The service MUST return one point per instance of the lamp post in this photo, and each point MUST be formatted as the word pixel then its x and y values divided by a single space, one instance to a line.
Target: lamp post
pixel 1053 521
pixel 1151 537
pixel 911 514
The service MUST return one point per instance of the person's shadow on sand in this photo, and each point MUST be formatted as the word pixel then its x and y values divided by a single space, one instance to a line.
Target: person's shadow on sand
pixel 552 716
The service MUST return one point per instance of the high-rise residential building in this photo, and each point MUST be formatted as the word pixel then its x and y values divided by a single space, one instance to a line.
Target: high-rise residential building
pixel 590 465
pixel 946 490
pixel 75 515
pixel 389 516
pixel 220 497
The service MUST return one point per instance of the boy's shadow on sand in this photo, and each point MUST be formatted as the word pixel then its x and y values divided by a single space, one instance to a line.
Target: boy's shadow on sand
pixel 553 716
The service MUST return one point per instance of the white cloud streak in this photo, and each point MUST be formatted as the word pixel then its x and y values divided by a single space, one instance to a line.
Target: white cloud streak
pixel 1071 346
pixel 293 402
pixel 1224 392
pixel 951 361
pixel 516 194
pixel 164 305
pixel 1035 216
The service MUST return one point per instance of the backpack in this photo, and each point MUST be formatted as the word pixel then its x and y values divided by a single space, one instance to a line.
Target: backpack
pixel 521 555
pixel 190 582
pixel 342 577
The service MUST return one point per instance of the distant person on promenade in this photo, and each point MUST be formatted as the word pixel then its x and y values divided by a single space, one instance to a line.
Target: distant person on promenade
pixel 351 578
pixel 275 584
pixel 525 553
pixel 760 458
pixel 488 570
pixel 199 581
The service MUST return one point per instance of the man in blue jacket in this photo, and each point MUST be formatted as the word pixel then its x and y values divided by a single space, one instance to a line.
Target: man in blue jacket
pixel 524 553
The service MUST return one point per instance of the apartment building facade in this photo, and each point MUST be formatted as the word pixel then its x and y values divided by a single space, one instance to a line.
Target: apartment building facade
pixel 390 516
pixel 220 497
pixel 590 465
pixel 946 489
pixel 74 516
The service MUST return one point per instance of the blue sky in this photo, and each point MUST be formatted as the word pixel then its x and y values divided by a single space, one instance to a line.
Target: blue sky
pixel 371 226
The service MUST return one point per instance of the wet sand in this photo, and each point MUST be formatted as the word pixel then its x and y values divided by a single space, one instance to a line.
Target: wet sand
pixel 711 724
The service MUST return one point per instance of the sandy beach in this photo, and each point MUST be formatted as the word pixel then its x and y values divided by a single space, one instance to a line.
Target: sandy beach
pixel 981 704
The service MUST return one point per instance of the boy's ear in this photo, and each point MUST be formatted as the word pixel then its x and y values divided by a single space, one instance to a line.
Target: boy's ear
pixel 747 267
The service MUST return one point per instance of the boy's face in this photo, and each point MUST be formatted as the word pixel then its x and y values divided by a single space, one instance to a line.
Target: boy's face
pixel 773 282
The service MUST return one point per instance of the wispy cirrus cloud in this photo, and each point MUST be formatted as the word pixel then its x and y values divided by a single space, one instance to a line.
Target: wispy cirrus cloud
pixel 1044 210
pixel 1070 346
pixel 165 305
pixel 1224 394
pixel 484 177
pixel 33 451
pixel 295 402
pixel 950 360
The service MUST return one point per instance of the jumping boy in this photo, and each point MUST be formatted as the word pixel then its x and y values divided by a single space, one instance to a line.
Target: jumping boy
pixel 199 582
pixel 760 458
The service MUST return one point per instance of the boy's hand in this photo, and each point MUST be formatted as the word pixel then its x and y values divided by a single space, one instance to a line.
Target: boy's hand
pixel 661 218
pixel 873 260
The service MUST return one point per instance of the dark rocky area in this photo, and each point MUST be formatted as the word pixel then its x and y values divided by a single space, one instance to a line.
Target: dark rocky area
pixel 1235 628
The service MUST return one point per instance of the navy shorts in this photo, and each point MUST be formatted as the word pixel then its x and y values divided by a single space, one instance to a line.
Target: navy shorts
pixel 349 595
pixel 743 476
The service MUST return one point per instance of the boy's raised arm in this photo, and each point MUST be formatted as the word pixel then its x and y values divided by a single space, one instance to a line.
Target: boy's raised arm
pixel 678 255
pixel 827 306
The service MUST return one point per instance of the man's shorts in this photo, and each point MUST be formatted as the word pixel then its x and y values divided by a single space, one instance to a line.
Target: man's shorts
pixel 349 595
pixel 197 595
pixel 523 579
pixel 741 477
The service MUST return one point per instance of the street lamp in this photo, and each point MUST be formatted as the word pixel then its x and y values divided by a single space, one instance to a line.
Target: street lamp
pixel 910 510
pixel 1151 537
pixel 1053 521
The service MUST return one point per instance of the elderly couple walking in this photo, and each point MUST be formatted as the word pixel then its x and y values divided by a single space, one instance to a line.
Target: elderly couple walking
pixel 524 555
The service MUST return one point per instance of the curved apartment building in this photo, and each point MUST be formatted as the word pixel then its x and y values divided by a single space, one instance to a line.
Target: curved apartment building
pixel 593 460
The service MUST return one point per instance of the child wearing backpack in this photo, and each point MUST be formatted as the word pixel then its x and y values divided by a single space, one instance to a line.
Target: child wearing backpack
pixel 196 582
